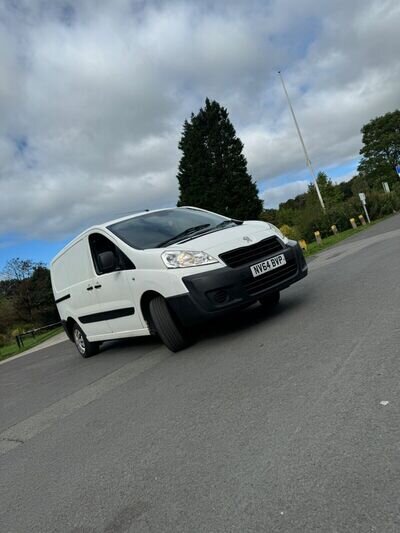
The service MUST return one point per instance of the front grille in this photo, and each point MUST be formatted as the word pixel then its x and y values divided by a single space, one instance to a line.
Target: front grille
pixel 263 282
pixel 253 253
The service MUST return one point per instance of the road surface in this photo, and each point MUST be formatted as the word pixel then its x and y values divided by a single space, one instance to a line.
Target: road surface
pixel 280 422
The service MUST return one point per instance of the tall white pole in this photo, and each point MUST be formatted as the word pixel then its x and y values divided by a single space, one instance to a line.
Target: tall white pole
pixel 308 162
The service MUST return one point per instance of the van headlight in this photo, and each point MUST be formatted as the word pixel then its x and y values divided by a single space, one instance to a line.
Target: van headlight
pixel 278 232
pixel 184 259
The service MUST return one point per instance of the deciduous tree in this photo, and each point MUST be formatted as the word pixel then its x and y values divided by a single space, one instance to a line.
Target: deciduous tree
pixel 381 150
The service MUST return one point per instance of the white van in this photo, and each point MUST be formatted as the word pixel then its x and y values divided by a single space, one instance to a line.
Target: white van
pixel 160 272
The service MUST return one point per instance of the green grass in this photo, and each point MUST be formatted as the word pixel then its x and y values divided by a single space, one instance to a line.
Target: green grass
pixel 29 342
pixel 327 242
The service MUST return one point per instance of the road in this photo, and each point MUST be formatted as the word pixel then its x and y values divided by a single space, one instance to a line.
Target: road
pixel 280 422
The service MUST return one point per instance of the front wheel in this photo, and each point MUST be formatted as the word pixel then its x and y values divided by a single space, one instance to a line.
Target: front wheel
pixel 270 300
pixel 84 347
pixel 171 333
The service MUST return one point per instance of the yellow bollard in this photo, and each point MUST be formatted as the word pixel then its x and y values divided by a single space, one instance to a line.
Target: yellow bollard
pixel 353 223
pixel 362 220
pixel 303 244
pixel 318 237
pixel 334 229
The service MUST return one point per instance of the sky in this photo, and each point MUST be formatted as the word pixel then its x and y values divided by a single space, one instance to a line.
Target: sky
pixel 93 96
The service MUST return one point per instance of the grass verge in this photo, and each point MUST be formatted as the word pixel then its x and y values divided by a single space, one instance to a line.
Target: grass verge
pixel 29 342
pixel 327 242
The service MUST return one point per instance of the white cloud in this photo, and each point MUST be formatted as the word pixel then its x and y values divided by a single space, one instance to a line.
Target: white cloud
pixel 93 96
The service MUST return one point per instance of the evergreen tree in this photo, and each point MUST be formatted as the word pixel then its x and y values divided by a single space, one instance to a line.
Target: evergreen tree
pixel 212 171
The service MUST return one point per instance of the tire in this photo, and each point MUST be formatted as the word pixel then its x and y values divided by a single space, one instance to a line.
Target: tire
pixel 170 332
pixel 271 300
pixel 85 348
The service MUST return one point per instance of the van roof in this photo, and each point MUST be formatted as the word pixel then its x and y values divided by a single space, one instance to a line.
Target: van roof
pixel 120 219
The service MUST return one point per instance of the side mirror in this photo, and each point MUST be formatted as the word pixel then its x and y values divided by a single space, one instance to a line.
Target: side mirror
pixel 107 261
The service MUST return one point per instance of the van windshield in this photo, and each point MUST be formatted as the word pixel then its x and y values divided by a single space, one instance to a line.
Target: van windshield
pixel 162 228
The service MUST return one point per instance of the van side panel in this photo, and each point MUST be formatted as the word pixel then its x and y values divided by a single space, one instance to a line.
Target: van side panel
pixel 78 266
pixel 71 268
pixel 72 279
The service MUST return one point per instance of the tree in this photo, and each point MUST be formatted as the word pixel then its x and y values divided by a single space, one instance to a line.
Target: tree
pixel 345 188
pixel 269 215
pixel 27 288
pixel 7 315
pixel 359 184
pixel 212 171
pixel 312 218
pixel 381 150
pixel 331 193
pixel 18 269
pixel 45 310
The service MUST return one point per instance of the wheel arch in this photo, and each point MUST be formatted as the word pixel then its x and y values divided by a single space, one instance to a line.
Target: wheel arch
pixel 145 300
pixel 68 325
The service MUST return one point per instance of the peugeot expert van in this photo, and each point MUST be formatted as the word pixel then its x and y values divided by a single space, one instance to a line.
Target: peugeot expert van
pixel 161 272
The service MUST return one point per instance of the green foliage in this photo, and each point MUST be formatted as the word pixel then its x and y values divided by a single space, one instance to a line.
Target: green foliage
pixel 302 222
pixel 380 204
pixel 331 194
pixel 9 347
pixel 212 171
pixel 7 315
pixel 270 215
pixel 380 154
pixel 290 232
pixel 381 150
pixel 294 203
pixel 359 184
pixel 26 297
pixel 345 189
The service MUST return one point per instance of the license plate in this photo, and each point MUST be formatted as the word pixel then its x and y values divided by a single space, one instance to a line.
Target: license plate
pixel 267 265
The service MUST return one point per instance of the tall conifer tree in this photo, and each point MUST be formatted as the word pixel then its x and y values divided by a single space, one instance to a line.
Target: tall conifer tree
pixel 213 172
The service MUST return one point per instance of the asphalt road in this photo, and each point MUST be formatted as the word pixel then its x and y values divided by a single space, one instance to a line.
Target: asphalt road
pixel 270 422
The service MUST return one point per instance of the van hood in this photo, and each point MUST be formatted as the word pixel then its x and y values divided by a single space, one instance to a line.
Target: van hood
pixel 227 239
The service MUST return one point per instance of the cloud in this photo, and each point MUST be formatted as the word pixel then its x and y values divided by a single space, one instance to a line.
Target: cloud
pixel 93 97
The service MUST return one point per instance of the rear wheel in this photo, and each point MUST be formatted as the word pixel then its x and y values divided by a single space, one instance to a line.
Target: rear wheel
pixel 84 347
pixel 271 300
pixel 171 333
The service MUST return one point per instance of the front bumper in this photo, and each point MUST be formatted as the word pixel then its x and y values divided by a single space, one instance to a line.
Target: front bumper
pixel 217 292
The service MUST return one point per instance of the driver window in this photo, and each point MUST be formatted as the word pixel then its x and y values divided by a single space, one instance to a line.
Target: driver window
pixel 98 244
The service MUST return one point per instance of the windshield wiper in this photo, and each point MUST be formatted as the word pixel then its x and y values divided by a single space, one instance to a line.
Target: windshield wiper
pixel 183 234
pixel 226 222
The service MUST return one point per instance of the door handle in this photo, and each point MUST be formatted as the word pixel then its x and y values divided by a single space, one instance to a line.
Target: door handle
pixel 97 286
pixel 89 288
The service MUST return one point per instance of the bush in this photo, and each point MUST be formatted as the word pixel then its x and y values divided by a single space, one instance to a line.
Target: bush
pixel 290 232
pixel 311 221
pixel 3 340
pixel 302 216
pixel 380 204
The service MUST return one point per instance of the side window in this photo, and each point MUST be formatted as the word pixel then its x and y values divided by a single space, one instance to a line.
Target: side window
pixel 98 244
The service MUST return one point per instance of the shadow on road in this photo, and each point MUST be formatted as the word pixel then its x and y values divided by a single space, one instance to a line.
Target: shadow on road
pixel 240 320
pixel 132 343
pixel 248 318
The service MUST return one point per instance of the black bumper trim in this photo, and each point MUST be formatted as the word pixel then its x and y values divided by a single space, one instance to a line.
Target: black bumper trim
pixel 217 292
pixel 107 315
pixel 66 297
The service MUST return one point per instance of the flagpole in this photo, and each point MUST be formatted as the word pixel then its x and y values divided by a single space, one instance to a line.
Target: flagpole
pixel 308 162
